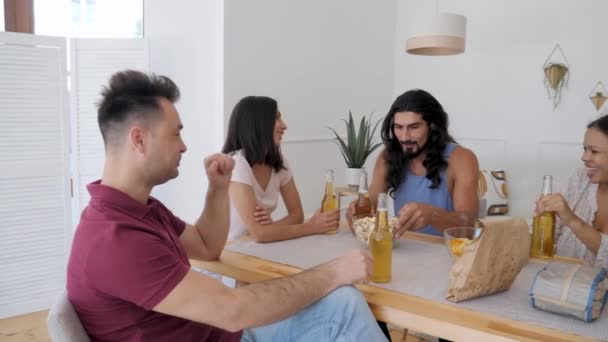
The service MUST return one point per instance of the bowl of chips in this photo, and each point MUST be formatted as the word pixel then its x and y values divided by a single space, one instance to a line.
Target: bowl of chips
pixel 457 238
pixel 363 226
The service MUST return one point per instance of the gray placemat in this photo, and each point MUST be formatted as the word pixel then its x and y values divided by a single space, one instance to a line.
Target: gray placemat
pixel 416 265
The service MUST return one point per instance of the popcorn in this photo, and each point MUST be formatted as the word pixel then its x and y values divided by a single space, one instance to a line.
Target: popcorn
pixel 457 244
pixel 363 227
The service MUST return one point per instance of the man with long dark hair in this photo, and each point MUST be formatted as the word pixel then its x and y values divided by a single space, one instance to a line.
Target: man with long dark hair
pixel 433 181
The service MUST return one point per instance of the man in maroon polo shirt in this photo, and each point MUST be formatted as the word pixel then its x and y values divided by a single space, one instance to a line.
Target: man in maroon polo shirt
pixel 129 277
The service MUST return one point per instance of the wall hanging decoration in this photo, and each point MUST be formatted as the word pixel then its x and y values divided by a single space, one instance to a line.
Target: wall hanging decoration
pixel 557 74
pixel 598 95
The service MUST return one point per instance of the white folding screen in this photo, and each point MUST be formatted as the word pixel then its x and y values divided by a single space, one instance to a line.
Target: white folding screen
pixel 34 172
pixel 93 61
pixel 43 160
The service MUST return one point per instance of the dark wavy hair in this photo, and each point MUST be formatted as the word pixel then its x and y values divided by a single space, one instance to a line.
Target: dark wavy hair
pixel 423 103
pixel 130 96
pixel 601 124
pixel 251 129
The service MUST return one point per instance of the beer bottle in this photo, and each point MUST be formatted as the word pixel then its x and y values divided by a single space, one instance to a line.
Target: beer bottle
pixel 330 200
pixel 543 230
pixel 381 243
pixel 364 204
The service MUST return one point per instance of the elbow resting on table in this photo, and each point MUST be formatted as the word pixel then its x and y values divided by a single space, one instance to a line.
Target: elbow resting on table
pixel 259 234
pixel 207 255
pixel 215 255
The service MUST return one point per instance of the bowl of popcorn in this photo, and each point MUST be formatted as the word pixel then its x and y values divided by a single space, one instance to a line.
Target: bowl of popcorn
pixel 458 237
pixel 363 226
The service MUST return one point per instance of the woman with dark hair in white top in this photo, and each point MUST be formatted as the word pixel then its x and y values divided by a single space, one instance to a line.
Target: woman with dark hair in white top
pixel 261 174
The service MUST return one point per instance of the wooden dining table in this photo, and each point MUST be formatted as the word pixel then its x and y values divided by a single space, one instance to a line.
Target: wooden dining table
pixel 402 309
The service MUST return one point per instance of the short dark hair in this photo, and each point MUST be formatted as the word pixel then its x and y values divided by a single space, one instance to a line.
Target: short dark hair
pixel 601 124
pixel 423 103
pixel 132 95
pixel 251 129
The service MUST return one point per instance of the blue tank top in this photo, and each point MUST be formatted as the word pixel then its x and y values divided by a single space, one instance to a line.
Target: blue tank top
pixel 416 189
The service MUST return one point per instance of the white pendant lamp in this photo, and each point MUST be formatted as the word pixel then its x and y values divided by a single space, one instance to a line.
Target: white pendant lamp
pixel 441 34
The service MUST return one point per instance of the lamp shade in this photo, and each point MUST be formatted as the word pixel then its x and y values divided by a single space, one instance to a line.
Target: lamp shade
pixel 439 35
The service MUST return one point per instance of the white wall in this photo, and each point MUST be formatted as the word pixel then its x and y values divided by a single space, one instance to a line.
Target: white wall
pixel 318 59
pixel 494 92
pixel 186 44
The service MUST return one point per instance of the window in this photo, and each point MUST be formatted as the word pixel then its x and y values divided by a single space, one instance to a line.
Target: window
pixel 2 15
pixel 76 11
pixel 89 18
pixel 90 11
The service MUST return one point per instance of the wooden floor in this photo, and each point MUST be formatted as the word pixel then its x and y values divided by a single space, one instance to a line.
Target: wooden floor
pixel 32 328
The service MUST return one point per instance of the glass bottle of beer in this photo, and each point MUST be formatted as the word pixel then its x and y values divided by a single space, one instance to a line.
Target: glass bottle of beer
pixel 381 244
pixel 364 204
pixel 330 200
pixel 543 230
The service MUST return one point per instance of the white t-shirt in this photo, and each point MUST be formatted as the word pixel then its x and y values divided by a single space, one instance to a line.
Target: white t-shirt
pixel 265 198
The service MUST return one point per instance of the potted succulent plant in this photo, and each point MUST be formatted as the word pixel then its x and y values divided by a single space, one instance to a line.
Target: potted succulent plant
pixel 357 146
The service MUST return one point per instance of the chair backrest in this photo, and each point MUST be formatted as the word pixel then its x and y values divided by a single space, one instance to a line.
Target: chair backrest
pixel 63 323
pixel 493 189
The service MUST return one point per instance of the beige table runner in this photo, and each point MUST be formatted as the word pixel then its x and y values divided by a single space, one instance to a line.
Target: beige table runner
pixel 417 265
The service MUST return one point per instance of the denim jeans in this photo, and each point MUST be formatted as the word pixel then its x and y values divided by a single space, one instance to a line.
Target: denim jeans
pixel 343 315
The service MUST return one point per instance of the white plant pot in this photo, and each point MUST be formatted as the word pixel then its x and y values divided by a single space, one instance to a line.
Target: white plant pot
pixel 352 178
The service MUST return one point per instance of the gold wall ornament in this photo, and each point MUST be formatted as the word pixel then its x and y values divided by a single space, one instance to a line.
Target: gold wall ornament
pixel 557 74
pixel 598 95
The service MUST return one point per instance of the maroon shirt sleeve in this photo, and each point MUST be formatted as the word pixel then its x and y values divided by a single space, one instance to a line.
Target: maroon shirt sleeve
pixel 136 265
pixel 178 224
